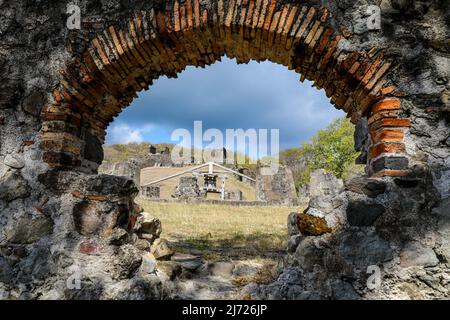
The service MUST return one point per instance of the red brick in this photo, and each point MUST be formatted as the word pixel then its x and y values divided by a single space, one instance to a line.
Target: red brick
pixel 378 75
pixel 97 197
pixel 96 43
pixel 190 21
pixel 391 122
pixel 312 32
pixel 256 15
pixel 269 15
pixel 383 114
pixel 183 17
pixel 176 16
pixel 388 90
pixel 324 40
pixel 382 147
pixel 330 52
pixel 305 24
pixel 251 7
pixel 372 70
pixel 197 14
pixel 57 95
pixel 283 18
pixel 205 17
pixel 388 135
pixel 325 15
pixel 77 194
pixel 386 105
pixel 90 248
pixel 161 22
pixel 390 173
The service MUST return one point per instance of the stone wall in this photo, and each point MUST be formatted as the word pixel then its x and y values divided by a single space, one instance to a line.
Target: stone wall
pixel 276 188
pixel 151 192
pixel 370 239
pixel 188 189
pixel 61 88
pixel 132 168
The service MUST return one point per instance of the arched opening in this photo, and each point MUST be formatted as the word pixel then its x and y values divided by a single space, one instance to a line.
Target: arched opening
pixel 62 88
pixel 225 95
pixel 124 59
pixel 256 96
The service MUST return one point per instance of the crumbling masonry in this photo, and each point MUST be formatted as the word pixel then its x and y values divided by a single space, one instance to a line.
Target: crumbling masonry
pixel 61 88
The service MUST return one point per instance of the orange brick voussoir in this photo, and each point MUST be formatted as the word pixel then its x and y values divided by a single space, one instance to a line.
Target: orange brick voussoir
pixel 386 147
pixel 388 135
pixel 390 122
pixel 386 105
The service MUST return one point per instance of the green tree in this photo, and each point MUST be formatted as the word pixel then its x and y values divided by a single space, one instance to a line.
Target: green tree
pixel 331 149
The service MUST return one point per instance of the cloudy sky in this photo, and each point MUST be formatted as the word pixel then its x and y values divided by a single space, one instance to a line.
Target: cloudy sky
pixel 226 96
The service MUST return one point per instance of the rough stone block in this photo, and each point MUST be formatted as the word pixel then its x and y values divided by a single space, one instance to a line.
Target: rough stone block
pixel 361 213
pixel 390 163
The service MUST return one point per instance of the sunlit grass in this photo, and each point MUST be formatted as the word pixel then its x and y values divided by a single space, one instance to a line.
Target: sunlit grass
pixel 221 231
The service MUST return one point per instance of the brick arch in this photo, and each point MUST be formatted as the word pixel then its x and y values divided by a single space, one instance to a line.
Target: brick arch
pixel 126 57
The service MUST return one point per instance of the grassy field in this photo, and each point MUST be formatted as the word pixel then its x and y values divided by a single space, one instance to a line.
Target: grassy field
pixel 223 232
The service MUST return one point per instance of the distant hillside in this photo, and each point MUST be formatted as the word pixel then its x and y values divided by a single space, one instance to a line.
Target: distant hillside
pixel 122 152
pixel 332 149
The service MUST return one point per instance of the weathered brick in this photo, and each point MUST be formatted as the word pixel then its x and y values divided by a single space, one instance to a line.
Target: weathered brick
pixel 90 247
pixel 189 15
pixel 324 40
pixel 330 52
pixel 378 75
pixel 383 114
pixel 385 147
pixel 183 22
pixel 390 122
pixel 97 197
pixel 57 95
pixel 312 32
pixel 386 105
pixel 176 16
pixel 388 90
pixel 305 24
pixel 390 173
pixel 388 135
pixel 325 15
pixel 256 16
pixel 60 159
pixel 276 18
pixel 197 14
pixel 372 70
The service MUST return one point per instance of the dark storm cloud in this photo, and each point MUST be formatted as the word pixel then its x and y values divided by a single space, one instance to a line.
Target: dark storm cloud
pixel 227 95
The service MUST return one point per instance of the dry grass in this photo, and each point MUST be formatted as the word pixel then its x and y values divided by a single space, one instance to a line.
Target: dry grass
pixel 222 231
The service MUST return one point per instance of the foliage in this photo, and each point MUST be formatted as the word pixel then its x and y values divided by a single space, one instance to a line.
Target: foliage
pixel 331 149
pixel 290 156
